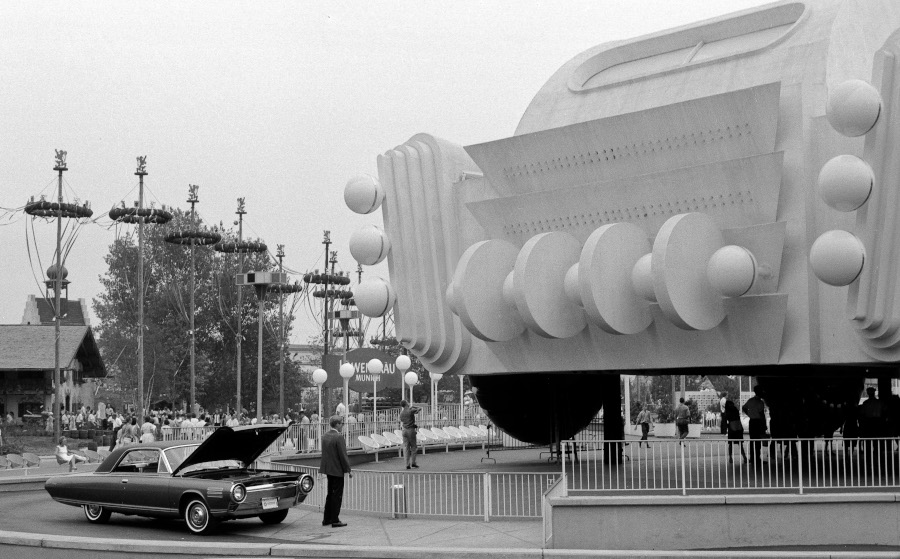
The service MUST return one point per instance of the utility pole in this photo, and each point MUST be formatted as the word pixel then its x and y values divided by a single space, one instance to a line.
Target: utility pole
pixel 240 213
pixel 60 167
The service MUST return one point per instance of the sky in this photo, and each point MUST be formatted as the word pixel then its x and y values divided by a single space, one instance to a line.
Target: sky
pixel 280 103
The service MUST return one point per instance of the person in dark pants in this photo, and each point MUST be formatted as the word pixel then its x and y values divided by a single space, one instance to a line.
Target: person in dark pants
pixel 755 409
pixel 334 465
pixel 408 423
pixel 645 420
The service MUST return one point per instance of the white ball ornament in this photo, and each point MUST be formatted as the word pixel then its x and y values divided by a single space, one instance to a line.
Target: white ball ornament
pixel 347 370
pixel 845 182
pixel 411 378
pixel 369 245
pixel 374 297
pixel 837 257
pixel 320 376
pixel 853 107
pixel 363 194
pixel 731 270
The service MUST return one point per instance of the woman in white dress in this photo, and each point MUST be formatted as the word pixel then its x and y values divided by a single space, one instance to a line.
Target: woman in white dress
pixel 64 457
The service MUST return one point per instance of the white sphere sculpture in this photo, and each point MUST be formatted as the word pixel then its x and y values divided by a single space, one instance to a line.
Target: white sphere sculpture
pixel 642 278
pixel 363 194
pixel 731 270
pixel 853 107
pixel 347 370
pixel 319 376
pixel 369 245
pixel 837 257
pixel 374 366
pixel 411 378
pixel 403 363
pixel 845 182
pixel 374 297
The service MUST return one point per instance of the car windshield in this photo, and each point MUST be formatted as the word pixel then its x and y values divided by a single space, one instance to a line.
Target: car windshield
pixel 179 454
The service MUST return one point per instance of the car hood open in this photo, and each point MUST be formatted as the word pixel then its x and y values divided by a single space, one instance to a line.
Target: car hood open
pixel 244 443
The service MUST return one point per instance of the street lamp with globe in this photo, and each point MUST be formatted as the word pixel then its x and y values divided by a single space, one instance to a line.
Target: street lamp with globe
pixel 435 379
pixel 319 377
pixel 346 371
pixel 374 367
pixel 403 364
pixel 411 379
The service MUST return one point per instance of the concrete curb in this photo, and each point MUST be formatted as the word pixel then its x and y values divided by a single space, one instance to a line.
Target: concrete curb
pixel 219 549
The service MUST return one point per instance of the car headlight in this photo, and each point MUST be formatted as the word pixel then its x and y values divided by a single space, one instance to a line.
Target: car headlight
pixel 306 484
pixel 238 493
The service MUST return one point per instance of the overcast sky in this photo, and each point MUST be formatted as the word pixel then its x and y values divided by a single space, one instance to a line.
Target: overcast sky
pixel 277 102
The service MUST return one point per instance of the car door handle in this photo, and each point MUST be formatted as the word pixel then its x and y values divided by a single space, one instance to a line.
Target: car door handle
pixel 124 481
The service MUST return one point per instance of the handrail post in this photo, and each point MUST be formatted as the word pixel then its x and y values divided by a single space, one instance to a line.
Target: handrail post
pixel 799 466
pixel 487 497
pixel 683 473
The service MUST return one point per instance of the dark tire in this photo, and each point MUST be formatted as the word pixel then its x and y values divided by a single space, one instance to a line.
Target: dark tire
pixel 197 517
pixel 274 517
pixel 96 514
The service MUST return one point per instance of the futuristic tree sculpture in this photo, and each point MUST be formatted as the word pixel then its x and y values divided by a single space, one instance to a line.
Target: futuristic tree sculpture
pixel 193 236
pixel 140 215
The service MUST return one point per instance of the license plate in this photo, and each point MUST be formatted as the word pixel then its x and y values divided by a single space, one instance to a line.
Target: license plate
pixel 269 503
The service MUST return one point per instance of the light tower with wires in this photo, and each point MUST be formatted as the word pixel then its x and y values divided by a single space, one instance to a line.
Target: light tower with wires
pixel 59 210
pixel 140 215
pixel 194 235
pixel 281 289
pixel 240 247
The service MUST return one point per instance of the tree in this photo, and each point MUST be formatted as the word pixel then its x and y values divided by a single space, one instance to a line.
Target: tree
pixel 167 272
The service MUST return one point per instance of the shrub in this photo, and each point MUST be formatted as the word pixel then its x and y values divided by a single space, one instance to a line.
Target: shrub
pixel 665 413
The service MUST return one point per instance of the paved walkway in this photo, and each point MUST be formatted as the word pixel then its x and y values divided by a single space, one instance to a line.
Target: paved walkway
pixel 302 534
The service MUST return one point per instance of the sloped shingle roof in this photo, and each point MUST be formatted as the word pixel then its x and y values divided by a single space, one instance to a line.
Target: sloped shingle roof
pixel 32 347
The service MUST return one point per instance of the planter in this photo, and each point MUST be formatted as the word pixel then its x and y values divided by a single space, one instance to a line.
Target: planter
pixel 663 430
pixel 694 430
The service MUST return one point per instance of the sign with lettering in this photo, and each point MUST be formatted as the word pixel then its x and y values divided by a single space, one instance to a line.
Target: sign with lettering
pixel 362 380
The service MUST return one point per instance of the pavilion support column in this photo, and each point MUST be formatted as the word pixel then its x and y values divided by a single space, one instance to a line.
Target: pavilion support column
pixel 613 426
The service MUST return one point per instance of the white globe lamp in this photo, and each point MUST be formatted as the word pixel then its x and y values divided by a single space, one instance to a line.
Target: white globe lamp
pixel 411 379
pixel 346 371
pixel 319 377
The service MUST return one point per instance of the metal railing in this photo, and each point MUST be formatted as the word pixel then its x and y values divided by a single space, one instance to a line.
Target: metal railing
pixel 428 494
pixel 719 465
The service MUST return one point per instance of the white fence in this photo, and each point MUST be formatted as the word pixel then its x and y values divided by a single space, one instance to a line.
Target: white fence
pixel 715 466
pixel 444 494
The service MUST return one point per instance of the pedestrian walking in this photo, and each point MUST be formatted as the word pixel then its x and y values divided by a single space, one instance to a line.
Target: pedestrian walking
pixel 682 415
pixel 334 464
pixel 410 429
pixel 735 429
pixel 645 420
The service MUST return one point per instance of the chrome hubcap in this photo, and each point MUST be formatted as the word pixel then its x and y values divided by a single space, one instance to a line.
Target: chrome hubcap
pixel 198 516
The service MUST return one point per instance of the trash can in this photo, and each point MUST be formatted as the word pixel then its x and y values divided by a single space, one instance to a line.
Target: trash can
pixel 398 498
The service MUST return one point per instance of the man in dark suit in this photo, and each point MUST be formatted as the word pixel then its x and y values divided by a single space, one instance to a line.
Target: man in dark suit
pixel 334 464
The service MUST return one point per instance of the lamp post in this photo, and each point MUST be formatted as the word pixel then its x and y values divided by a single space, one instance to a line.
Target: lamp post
pixel 374 367
pixel 346 371
pixel 319 377
pixel 403 363
pixel 435 379
pixel 411 379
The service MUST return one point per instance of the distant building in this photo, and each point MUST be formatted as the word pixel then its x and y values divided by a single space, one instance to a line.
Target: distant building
pixel 27 355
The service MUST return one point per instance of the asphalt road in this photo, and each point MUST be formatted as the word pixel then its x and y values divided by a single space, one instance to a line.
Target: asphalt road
pixel 35 512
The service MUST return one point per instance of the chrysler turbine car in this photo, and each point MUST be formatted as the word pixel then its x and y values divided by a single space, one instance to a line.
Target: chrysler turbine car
pixel 204 482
